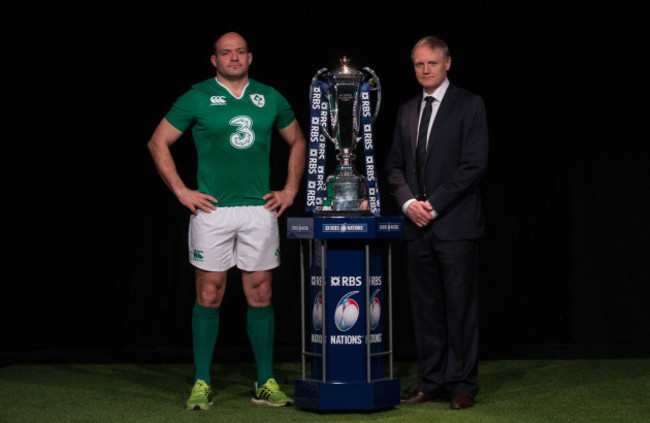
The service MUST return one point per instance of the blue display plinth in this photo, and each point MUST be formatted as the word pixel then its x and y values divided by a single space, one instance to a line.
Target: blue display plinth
pixel 346 322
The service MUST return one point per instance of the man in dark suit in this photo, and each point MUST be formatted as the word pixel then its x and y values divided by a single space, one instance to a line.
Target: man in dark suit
pixel 436 185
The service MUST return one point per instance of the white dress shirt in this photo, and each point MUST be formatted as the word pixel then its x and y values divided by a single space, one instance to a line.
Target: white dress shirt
pixel 438 95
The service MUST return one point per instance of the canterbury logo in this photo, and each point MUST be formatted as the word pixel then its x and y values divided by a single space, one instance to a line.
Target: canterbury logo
pixel 218 100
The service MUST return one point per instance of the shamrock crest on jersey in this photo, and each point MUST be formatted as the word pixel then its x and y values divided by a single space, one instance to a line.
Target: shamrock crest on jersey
pixel 258 100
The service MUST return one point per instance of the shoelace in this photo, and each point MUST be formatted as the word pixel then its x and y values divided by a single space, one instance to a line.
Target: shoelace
pixel 268 389
pixel 200 391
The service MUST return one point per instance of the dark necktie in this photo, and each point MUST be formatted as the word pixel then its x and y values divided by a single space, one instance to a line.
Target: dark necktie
pixel 421 151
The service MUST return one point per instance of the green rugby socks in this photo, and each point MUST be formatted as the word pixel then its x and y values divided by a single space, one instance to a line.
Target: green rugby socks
pixel 260 322
pixel 205 328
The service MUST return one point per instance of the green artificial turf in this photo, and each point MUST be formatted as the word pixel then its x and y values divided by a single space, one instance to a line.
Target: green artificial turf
pixel 612 390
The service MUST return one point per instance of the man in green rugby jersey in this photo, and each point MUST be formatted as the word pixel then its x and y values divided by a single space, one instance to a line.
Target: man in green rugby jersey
pixel 234 212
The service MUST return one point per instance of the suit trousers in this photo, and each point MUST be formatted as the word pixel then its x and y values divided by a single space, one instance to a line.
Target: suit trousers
pixel 443 287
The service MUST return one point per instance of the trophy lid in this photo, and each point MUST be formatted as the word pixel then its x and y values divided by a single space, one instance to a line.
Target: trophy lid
pixel 346 71
pixel 345 66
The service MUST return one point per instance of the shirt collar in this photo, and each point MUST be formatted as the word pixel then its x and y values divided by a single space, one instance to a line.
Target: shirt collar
pixel 439 93
pixel 228 89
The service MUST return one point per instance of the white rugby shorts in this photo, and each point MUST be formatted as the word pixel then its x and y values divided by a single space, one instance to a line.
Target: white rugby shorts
pixel 242 236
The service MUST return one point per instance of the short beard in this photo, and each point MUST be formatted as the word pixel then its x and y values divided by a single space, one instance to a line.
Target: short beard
pixel 233 78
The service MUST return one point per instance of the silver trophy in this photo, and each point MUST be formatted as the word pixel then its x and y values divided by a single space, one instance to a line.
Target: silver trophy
pixel 346 189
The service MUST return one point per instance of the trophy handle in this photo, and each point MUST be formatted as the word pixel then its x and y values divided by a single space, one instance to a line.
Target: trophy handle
pixel 313 81
pixel 318 74
pixel 378 88
pixel 327 135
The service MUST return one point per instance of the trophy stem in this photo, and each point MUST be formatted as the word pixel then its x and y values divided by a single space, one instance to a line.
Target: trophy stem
pixel 346 158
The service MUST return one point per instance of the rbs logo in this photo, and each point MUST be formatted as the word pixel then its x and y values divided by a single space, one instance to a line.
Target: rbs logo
pixel 346 281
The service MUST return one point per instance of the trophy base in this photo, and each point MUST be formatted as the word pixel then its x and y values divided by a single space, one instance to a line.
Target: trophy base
pixel 346 194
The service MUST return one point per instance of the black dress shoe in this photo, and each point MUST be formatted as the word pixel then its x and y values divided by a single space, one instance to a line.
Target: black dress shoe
pixel 461 401
pixel 420 397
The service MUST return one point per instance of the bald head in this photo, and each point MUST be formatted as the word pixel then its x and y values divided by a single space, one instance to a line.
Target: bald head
pixel 230 38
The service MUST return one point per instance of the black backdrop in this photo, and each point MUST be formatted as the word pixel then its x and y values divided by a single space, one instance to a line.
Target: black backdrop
pixel 94 261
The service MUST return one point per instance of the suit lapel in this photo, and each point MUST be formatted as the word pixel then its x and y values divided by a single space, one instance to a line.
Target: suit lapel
pixel 414 114
pixel 443 110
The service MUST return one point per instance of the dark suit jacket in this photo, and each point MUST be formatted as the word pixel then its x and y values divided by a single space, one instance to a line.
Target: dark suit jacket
pixel 456 159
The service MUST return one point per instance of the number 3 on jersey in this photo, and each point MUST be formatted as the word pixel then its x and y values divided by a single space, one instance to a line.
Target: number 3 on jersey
pixel 243 137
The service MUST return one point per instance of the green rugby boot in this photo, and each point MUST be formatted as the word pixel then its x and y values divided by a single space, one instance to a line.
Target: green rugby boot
pixel 270 394
pixel 201 396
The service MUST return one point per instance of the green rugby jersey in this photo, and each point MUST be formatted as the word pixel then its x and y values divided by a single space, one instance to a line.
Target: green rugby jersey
pixel 232 137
